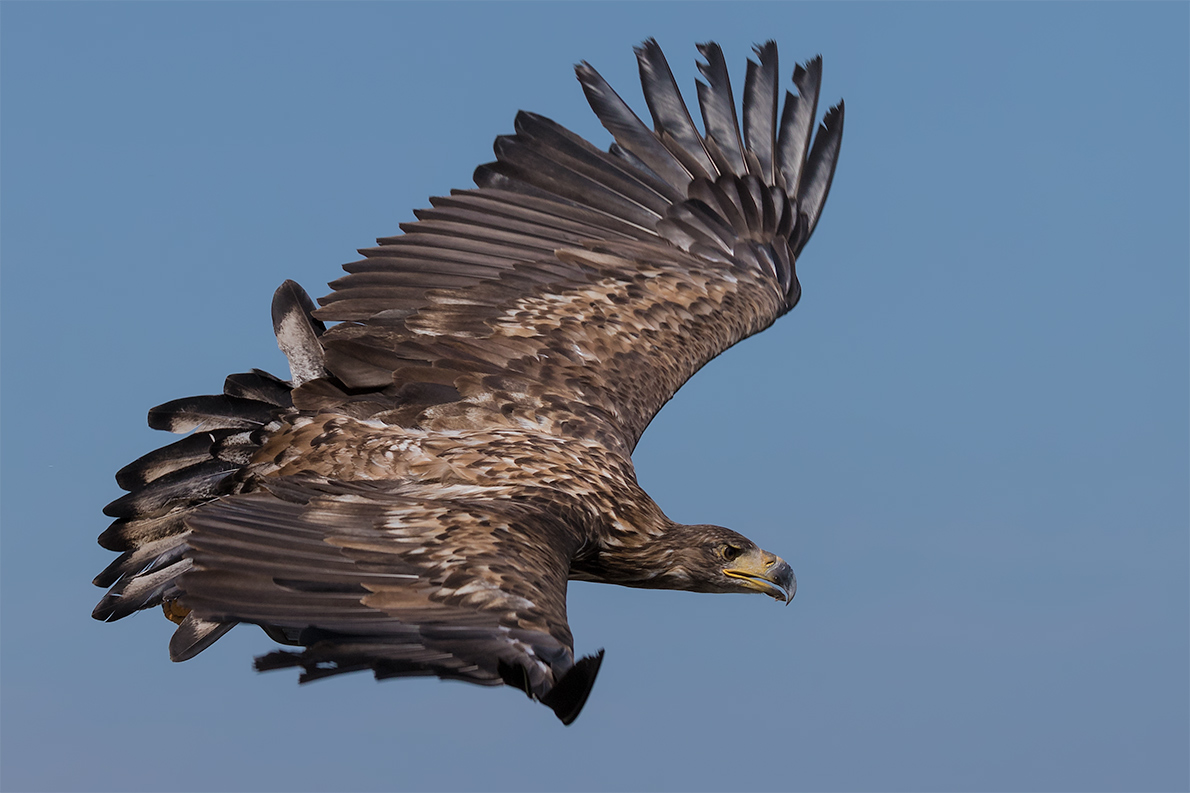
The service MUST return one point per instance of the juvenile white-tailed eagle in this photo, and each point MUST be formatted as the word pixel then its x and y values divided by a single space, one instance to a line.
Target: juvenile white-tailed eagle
pixel 445 458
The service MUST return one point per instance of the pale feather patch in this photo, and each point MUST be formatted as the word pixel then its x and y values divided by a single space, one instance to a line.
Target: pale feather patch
pixel 301 347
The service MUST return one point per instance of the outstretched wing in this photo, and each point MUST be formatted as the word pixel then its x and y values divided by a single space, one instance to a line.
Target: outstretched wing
pixel 455 582
pixel 576 290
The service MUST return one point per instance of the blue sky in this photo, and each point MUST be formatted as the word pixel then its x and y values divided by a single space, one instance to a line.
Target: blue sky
pixel 969 439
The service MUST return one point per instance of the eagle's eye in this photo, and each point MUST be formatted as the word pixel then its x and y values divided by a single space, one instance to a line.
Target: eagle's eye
pixel 732 552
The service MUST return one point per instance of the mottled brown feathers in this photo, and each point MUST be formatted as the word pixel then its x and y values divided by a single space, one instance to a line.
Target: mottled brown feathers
pixel 456 445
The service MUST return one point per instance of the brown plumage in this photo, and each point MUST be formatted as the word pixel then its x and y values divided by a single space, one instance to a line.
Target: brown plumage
pixel 445 458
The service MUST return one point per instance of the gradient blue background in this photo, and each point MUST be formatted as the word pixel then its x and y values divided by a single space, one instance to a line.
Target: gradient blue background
pixel 970 439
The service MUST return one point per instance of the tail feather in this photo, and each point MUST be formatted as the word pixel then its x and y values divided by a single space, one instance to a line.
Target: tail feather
pixel 238 447
pixel 181 454
pixel 150 556
pixel 193 484
pixel 214 412
pixel 140 592
pixel 126 534
pixel 168 484
pixel 260 386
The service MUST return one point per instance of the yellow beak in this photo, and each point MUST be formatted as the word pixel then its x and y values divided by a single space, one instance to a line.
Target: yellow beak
pixel 769 574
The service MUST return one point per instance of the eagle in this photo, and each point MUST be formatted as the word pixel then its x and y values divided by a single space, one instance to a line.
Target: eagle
pixel 454 442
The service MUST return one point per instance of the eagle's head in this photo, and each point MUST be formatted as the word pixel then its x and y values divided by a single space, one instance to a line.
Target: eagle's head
pixel 707 558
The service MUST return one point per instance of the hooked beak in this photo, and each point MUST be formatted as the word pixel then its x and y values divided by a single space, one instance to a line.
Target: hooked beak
pixel 769 574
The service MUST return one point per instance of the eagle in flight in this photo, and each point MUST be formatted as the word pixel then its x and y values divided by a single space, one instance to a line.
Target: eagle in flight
pixel 457 445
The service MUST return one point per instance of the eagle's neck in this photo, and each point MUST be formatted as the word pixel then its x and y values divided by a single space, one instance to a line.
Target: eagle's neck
pixel 642 553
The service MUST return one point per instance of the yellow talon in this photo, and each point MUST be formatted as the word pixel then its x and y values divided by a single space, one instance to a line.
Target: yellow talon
pixel 174 611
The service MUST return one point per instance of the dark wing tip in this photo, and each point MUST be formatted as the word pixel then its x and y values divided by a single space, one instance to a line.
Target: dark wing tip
pixel 811 68
pixel 569 694
pixel 648 45
pixel 820 169
pixel 766 49
pixel 277 659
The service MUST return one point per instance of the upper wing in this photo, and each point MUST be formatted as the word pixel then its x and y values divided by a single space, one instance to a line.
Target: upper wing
pixel 576 290
pixel 468 585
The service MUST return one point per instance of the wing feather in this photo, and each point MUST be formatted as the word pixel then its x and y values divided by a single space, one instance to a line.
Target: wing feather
pixel 671 119
pixel 797 122
pixel 820 169
pixel 384 578
pixel 718 109
pixel 627 129
pixel 760 109
pixel 577 268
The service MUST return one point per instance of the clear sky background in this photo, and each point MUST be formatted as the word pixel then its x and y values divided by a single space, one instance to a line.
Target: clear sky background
pixel 969 439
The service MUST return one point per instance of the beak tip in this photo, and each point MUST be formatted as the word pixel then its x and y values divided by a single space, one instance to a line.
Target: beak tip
pixel 791 586
pixel 788 581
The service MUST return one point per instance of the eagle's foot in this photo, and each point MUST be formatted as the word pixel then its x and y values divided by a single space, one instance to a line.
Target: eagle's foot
pixel 174 611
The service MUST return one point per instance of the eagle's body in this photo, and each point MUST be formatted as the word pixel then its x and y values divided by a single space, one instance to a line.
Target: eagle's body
pixel 442 461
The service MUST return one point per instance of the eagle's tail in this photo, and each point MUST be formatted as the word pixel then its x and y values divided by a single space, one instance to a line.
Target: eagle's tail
pixel 166 485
